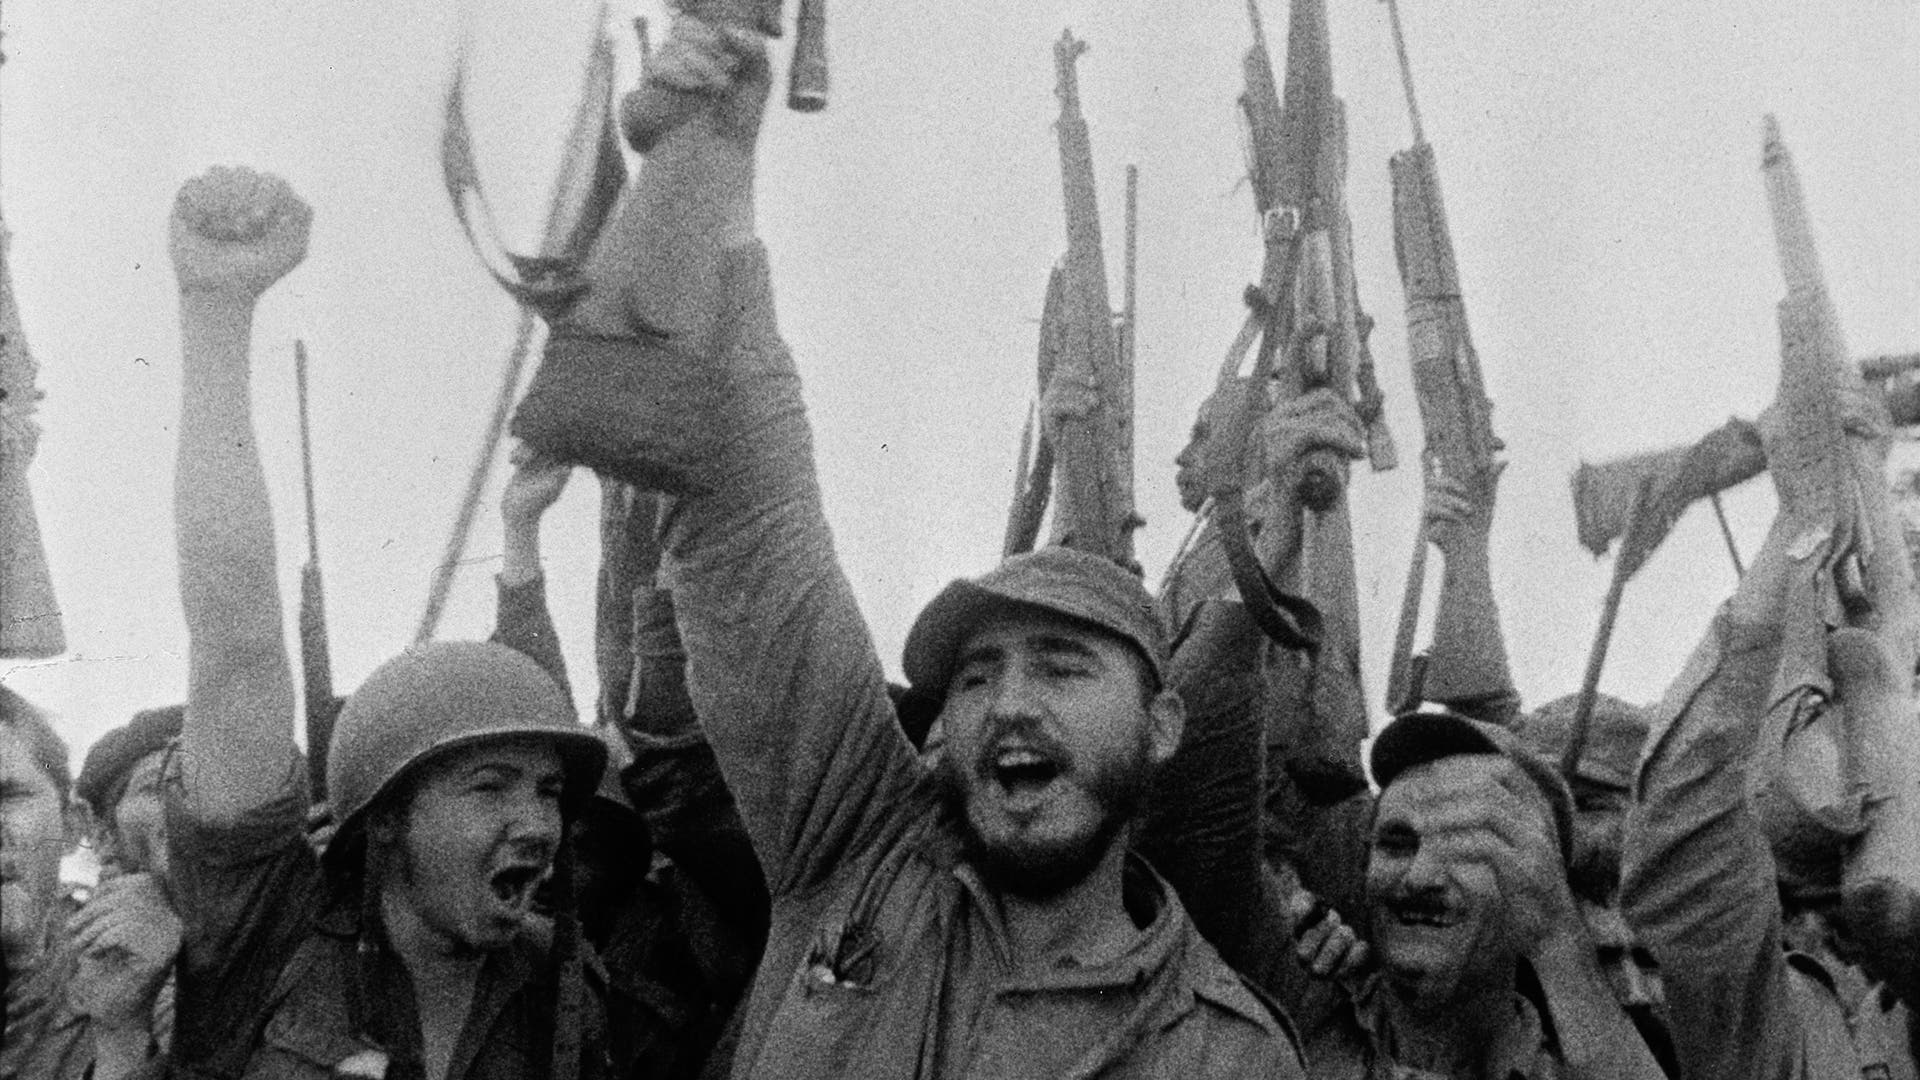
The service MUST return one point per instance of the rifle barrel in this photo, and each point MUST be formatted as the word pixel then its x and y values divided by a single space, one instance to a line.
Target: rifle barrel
pixel 1406 70
pixel 306 451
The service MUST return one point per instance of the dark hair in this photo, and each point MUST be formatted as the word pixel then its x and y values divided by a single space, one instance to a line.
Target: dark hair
pixel 48 750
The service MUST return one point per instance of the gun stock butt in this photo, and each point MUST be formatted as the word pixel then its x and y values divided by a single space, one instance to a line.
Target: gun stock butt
pixel 807 76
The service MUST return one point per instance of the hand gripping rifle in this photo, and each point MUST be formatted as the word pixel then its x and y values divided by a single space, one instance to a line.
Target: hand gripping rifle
pixel 807 73
pixel 1724 458
pixel 1087 397
pixel 1454 408
pixel 1304 313
pixel 1306 319
pixel 1832 486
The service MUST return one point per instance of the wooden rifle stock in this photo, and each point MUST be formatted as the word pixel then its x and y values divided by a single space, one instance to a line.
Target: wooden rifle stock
pixel 807 72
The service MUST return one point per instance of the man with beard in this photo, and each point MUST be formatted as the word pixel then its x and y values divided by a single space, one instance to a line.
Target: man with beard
pixel 79 997
pixel 409 949
pixel 981 916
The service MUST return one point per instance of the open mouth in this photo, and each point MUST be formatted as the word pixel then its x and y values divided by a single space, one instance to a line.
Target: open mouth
pixel 1023 772
pixel 514 886
pixel 1428 913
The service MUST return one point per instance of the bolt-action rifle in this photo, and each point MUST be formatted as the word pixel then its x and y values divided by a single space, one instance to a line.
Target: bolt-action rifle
pixel 1826 452
pixel 1310 333
pixel 1455 411
pixel 1086 402
pixel 1724 458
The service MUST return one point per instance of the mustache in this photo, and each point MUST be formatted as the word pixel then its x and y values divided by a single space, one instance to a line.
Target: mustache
pixel 1024 730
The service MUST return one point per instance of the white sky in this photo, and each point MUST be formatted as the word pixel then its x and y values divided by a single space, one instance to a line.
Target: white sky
pixel 1600 161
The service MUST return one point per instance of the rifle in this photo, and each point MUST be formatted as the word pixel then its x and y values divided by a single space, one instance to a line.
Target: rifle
pixel 1088 396
pixel 29 615
pixel 1454 408
pixel 1724 458
pixel 1306 319
pixel 1832 486
pixel 316 655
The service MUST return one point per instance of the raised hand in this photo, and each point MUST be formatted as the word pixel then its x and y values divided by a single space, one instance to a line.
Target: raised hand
pixel 1325 945
pixel 701 63
pixel 536 484
pixel 1455 514
pixel 1319 420
pixel 235 232
pixel 127 936
pixel 1483 810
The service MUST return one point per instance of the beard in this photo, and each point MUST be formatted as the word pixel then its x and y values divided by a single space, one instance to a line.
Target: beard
pixel 1044 869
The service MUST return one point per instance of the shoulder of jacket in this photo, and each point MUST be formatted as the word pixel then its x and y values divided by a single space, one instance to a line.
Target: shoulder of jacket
pixel 1226 990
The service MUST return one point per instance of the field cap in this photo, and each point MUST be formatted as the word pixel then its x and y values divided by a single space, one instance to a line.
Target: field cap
pixel 109 764
pixel 1614 734
pixel 1420 738
pixel 1085 588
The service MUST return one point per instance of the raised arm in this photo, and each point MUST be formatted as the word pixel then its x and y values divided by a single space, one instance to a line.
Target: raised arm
pixel 780 666
pixel 1698 880
pixel 1467 668
pixel 233 234
pixel 521 619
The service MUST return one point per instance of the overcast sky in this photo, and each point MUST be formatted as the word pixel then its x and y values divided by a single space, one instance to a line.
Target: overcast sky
pixel 1600 162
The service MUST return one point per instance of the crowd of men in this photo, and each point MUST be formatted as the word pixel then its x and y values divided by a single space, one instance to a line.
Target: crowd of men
pixel 1092 837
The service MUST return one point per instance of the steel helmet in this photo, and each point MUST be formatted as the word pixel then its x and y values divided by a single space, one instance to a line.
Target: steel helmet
pixel 439 697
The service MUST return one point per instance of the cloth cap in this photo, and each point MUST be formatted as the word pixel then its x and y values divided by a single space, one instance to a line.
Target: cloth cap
pixel 109 764
pixel 440 697
pixel 1061 581
pixel 1419 738
pixel 1614 735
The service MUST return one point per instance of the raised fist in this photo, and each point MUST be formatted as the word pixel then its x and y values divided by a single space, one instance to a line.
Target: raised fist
pixel 235 231
pixel 701 64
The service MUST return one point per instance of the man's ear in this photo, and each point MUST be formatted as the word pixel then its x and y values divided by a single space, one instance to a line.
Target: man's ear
pixel 1167 725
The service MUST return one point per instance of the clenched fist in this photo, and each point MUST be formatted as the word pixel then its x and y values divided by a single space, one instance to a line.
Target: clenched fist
pixel 235 231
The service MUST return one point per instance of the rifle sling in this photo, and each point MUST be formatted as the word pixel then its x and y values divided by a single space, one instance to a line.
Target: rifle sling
pixel 1290 621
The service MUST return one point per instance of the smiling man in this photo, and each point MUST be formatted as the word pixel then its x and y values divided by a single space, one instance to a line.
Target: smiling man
pixel 410 949
pixel 1484 969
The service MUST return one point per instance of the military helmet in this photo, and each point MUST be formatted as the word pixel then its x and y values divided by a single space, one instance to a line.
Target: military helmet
pixel 440 697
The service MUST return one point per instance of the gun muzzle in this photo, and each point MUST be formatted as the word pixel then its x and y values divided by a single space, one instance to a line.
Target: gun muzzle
pixel 807 74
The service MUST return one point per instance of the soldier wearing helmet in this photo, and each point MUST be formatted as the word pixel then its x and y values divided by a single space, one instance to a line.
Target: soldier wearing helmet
pixel 410 947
